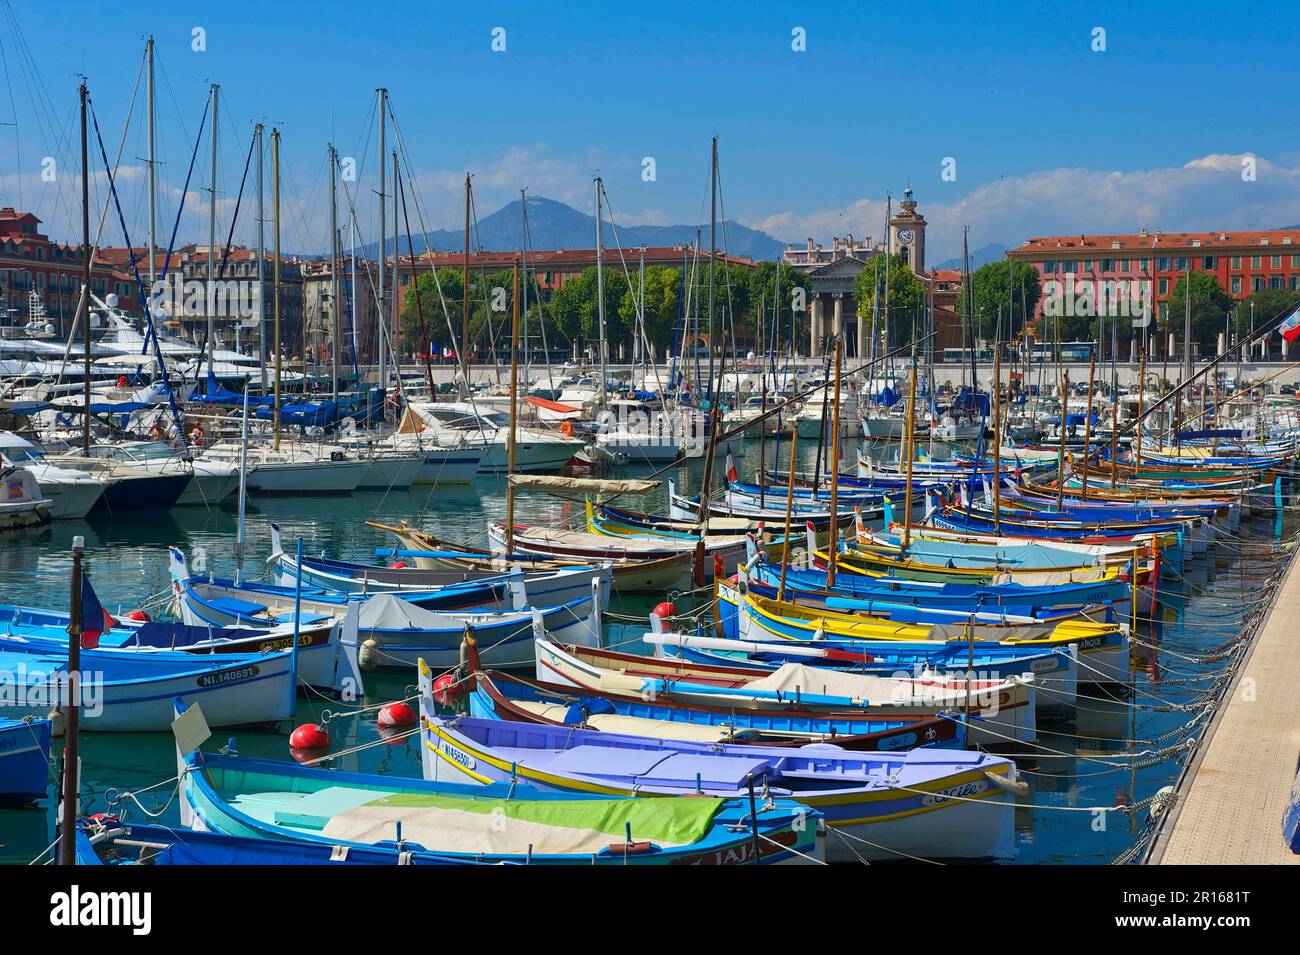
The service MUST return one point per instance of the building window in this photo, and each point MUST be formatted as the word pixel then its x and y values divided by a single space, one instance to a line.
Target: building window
pixel 1164 286
pixel 1181 263
pixel 1275 282
pixel 1295 283
pixel 1108 265
pixel 1207 262
pixel 1087 265
pixel 1144 264
pixel 1162 264
pixel 1236 261
pixel 1254 261
pixel 1236 284
pixel 1277 261
pixel 1123 265
pixel 1257 283
pixel 1068 265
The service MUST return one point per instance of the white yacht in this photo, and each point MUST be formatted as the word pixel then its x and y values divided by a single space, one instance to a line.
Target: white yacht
pixel 293 468
pixel 22 505
pixel 211 480
pixel 71 492
pixel 535 449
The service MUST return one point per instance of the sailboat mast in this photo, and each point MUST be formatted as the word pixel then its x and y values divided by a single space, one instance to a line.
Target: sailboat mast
pixel 713 254
pixel 383 260
pixel 260 131
pixel 149 110
pixel 85 295
pixel 212 239
pixel 464 281
pixel 833 545
pixel 334 274
pixel 275 204
pixel 511 437
pixel 600 293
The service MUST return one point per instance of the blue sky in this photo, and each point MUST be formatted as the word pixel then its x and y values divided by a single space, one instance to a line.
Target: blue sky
pixel 1048 135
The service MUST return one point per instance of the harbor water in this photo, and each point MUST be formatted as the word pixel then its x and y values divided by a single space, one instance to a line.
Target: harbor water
pixel 1123 746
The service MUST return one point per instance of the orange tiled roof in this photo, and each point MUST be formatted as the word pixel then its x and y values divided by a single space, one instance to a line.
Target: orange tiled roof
pixel 1157 241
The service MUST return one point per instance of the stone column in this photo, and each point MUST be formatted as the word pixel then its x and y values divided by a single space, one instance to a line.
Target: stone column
pixel 839 316
pixel 815 326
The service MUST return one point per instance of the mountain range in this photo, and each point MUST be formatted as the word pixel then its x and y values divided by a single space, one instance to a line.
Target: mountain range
pixel 554 225
pixel 993 252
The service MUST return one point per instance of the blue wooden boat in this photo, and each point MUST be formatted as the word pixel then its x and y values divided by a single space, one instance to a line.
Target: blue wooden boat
pixel 1055 669
pixel 131 691
pixel 877 805
pixel 24 759
pixel 510 823
pixel 327 649
pixel 1020 599
pixel 393 632
pixel 500 696
pixel 117 843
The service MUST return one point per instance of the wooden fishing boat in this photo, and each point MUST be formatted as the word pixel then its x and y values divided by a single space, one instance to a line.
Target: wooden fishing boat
pixel 878 805
pixel 1055 669
pixel 1002 711
pixel 496 591
pixel 656 575
pixel 327 649
pixel 496 695
pixel 510 823
pixel 393 632
pixel 1102 647
pixel 113 842
pixel 24 759
pixel 560 543
pixel 133 691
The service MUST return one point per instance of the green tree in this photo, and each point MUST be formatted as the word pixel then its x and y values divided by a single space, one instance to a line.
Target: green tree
pixel 1003 287
pixel 1267 306
pixel 663 287
pixel 762 282
pixel 906 295
pixel 574 308
pixel 1211 304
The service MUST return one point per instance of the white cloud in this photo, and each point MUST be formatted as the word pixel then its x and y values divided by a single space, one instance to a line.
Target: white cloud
pixel 1204 194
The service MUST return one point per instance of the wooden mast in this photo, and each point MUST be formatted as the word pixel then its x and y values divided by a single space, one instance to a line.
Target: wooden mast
pixel 275 203
pixel 997 435
pixel 514 417
pixel 464 294
pixel 1087 423
pixel 909 432
pixel 789 507
pixel 835 468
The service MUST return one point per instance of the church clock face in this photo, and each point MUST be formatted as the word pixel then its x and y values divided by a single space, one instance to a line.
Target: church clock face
pixel 904 235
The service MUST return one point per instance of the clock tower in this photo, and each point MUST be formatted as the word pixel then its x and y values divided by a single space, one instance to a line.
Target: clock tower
pixel 907 233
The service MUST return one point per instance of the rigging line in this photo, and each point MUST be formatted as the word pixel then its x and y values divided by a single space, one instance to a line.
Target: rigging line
pixel 99 231
pixel 144 302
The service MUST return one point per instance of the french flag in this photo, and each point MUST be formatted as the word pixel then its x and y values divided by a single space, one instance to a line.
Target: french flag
pixel 1290 327
pixel 94 618
pixel 732 475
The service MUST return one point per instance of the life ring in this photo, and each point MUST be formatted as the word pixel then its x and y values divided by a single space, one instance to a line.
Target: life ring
pixel 566 428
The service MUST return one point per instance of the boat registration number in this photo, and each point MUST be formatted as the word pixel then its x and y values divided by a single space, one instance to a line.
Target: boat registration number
pixel 964 791
pixel 228 676
pixel 456 755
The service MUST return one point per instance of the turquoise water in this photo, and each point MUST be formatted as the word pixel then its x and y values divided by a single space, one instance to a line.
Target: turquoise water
pixel 1079 768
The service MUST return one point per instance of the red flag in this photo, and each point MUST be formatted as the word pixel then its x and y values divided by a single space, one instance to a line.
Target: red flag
pixel 94 618
pixel 731 468
pixel 1290 327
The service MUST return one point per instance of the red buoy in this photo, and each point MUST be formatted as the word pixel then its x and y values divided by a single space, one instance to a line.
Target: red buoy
pixel 665 610
pixel 717 566
pixel 139 616
pixel 397 565
pixel 395 714
pixel 446 689
pixel 309 736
